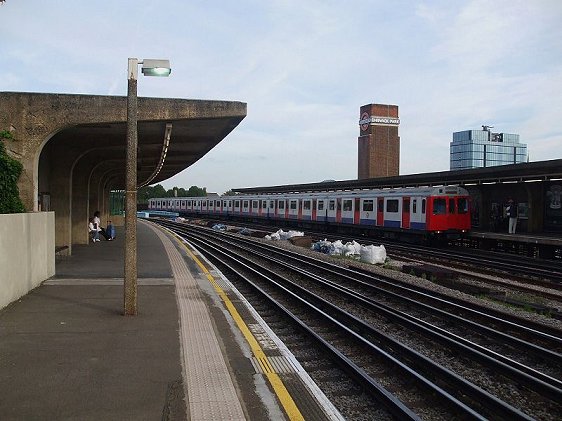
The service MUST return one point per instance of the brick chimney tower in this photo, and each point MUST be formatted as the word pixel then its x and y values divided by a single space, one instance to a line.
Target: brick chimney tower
pixel 379 143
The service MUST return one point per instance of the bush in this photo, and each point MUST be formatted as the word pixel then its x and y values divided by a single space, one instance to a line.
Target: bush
pixel 10 171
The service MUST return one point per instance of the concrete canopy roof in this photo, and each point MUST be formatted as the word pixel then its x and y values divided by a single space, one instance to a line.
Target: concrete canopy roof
pixel 190 140
pixel 54 130
pixel 191 137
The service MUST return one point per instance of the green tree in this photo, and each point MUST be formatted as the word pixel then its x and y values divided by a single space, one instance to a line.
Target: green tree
pixel 10 171
pixel 197 191
pixel 230 193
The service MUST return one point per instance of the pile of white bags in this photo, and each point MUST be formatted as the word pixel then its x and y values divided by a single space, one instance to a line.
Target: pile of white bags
pixel 373 254
pixel 367 254
pixel 284 235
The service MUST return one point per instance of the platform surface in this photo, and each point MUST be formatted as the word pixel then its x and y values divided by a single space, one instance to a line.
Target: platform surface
pixel 68 353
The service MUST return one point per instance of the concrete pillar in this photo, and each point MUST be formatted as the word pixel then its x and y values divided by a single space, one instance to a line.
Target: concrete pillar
pixel 535 199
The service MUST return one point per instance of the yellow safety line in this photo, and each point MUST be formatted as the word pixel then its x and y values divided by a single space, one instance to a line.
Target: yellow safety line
pixel 280 390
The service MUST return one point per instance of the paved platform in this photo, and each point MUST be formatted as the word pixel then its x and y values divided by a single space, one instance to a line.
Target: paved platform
pixel 68 353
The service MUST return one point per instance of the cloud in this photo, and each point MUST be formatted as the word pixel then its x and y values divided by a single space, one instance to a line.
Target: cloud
pixel 305 68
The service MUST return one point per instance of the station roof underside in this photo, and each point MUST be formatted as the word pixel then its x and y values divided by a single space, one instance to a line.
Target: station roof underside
pixel 190 140
pixel 515 173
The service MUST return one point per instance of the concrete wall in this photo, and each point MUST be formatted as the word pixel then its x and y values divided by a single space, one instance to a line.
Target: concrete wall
pixel 27 253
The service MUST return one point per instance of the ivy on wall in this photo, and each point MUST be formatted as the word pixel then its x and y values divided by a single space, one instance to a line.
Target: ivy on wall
pixel 10 171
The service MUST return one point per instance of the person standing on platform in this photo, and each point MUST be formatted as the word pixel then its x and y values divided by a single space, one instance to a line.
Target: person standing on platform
pixel 110 231
pixel 512 214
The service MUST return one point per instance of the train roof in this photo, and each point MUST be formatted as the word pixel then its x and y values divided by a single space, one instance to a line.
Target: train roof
pixel 353 193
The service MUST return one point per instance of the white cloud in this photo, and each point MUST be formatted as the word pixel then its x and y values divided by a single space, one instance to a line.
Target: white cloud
pixel 305 68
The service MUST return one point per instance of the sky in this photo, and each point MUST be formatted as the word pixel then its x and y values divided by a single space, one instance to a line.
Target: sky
pixel 304 68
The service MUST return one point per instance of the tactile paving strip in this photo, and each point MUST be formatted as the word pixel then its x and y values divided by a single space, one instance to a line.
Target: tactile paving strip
pixel 210 392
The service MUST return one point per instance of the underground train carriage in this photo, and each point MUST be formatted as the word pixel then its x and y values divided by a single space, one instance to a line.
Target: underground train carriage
pixel 431 211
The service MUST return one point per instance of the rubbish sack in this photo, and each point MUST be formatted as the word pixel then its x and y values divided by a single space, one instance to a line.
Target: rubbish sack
pixel 373 254
pixel 322 246
pixel 219 227
pixel 352 248
pixel 284 235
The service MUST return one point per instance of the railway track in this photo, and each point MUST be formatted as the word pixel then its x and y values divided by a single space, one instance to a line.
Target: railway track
pixel 514 279
pixel 415 353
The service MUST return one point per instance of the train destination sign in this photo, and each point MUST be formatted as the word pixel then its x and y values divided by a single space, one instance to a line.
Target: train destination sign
pixel 367 120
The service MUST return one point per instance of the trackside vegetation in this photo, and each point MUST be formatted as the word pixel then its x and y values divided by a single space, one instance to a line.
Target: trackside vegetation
pixel 10 171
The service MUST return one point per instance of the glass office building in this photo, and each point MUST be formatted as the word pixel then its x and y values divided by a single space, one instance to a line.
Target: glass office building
pixel 482 148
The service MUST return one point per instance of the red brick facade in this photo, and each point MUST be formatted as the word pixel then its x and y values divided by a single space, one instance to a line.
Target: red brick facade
pixel 378 142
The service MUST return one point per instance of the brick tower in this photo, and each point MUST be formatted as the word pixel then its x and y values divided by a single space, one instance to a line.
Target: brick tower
pixel 379 143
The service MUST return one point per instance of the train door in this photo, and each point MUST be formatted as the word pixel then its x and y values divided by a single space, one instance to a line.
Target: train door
pixel 332 210
pixel 306 209
pixel 320 210
pixel 281 209
pixel 406 213
pixel 347 211
pixel 293 209
pixel 367 211
pixel 417 213
pixel 380 211
pixel 338 210
pixel 314 210
pixel 357 211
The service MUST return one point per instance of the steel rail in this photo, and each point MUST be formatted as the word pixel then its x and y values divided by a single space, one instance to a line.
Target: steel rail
pixel 457 383
pixel 534 379
pixel 493 316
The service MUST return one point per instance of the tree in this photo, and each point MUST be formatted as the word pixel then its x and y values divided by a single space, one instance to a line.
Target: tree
pixel 195 191
pixel 230 193
pixel 10 171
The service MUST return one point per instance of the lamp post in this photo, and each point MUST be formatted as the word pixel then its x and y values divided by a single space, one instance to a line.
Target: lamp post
pixel 150 67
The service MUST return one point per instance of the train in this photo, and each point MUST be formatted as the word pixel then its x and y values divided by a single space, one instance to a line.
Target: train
pixel 405 213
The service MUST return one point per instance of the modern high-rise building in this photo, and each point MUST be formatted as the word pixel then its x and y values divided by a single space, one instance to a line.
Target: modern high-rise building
pixel 378 142
pixel 482 148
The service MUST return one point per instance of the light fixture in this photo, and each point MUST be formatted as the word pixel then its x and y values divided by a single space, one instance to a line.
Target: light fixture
pixel 151 67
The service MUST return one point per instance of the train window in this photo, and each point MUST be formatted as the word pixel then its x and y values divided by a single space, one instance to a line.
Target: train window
pixel 368 205
pixel 423 206
pixel 439 206
pixel 245 203
pixel 271 204
pixel 332 205
pixel 306 205
pixel 237 203
pixel 463 205
pixel 414 205
pixel 347 205
pixel 254 204
pixel 293 204
pixel 281 204
pixel 451 205
pixel 264 204
pixel 380 205
pixel 392 205
pixel 320 205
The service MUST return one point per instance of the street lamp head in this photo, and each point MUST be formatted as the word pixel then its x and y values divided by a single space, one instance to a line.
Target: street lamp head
pixel 151 67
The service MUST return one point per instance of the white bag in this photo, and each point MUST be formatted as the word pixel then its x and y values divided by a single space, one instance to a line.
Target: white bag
pixel 373 254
